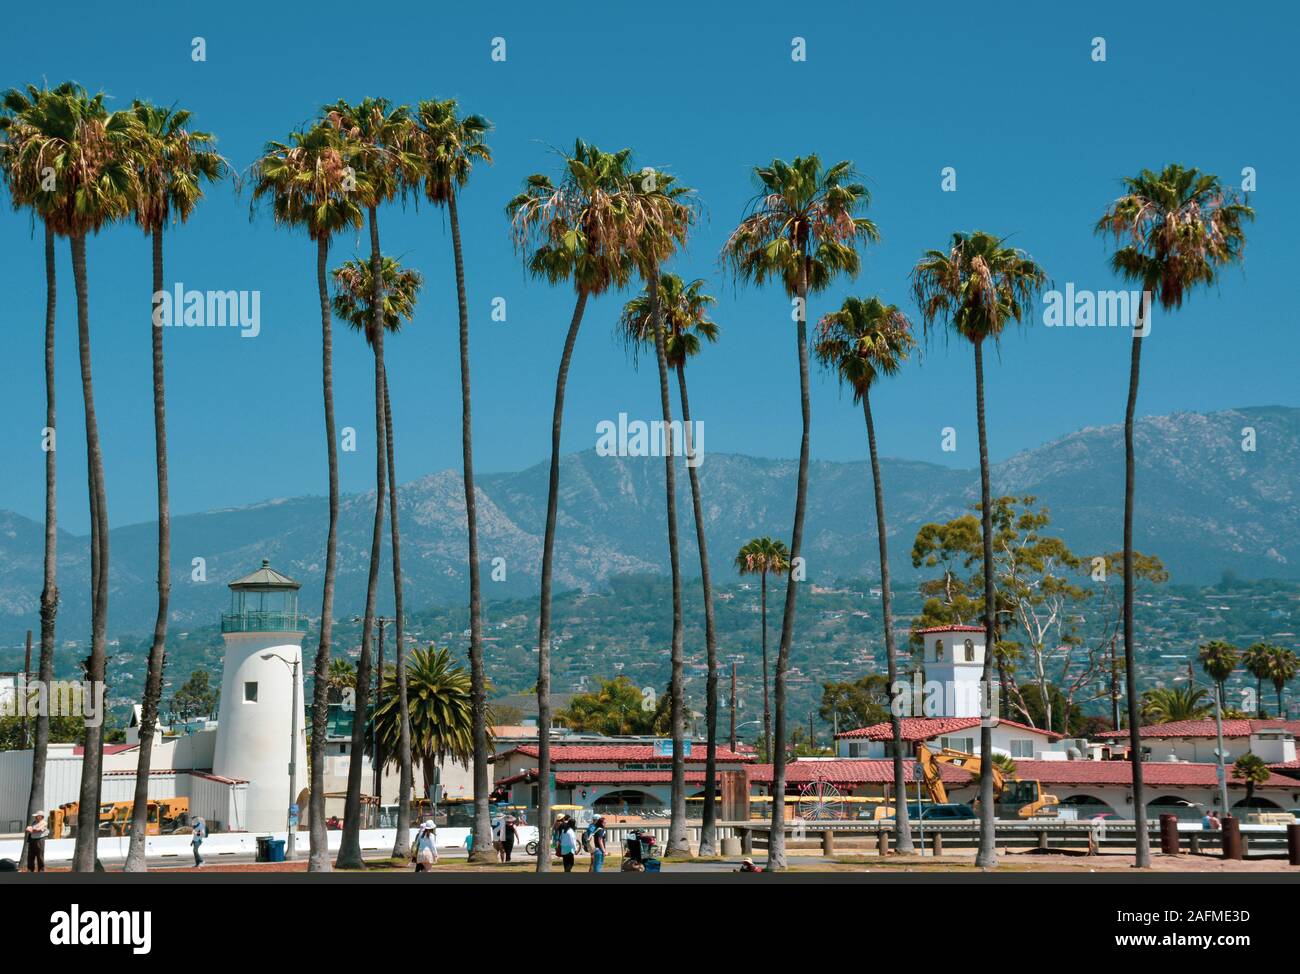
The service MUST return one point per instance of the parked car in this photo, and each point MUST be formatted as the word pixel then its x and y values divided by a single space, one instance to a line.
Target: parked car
pixel 951 812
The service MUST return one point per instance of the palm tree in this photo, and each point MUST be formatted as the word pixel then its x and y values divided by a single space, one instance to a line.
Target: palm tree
pixel 1182 228
pixel 29 141
pixel 574 231
pixel 378 140
pixel 764 556
pixel 1258 663
pixel 1251 769
pixel 802 230
pixel 862 341
pixel 450 145
pixel 342 676
pixel 352 295
pixel 1218 659
pixel 684 308
pixel 1283 668
pixel 89 150
pixel 1163 705
pixel 977 286
pixel 173 163
pixel 440 713
pixel 660 214
pixel 311 185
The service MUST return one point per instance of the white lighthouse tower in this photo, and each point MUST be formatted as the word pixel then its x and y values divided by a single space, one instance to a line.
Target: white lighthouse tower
pixel 261 696
pixel 954 660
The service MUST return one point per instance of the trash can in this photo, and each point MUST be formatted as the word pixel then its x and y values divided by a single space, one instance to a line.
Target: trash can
pixel 276 849
pixel 263 849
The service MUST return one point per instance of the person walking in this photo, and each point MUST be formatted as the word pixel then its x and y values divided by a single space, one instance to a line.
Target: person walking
pixel 426 847
pixel 499 838
pixel 199 832
pixel 509 835
pixel 36 834
pixel 598 845
pixel 568 844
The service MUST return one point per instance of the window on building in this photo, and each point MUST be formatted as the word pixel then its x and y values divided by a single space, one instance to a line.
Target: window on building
pixel 970 651
pixel 1022 747
pixel 250 691
pixel 855 750
pixel 964 744
pixel 938 650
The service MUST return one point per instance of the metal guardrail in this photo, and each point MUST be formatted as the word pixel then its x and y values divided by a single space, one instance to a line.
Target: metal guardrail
pixel 263 622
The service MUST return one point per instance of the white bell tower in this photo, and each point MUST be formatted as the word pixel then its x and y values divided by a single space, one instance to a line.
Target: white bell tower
pixel 262 698
pixel 954 659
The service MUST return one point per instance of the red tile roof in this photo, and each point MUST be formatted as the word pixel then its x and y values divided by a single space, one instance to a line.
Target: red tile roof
pixel 1155 774
pixel 611 777
pixel 924 728
pixel 617 753
pixel 80 749
pixel 850 771
pixel 951 629
pixel 1205 728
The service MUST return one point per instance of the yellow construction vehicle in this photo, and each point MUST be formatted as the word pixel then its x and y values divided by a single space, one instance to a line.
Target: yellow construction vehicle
pixel 64 819
pixel 1012 798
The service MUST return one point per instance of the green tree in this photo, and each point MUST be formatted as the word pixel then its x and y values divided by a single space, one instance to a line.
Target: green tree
pixel 379 141
pixel 352 296
pixel 311 185
pixel 1180 227
pixel 1163 705
pixel 1251 769
pixel 1283 667
pixel 977 287
pixel 616 707
pixel 450 144
pixel 684 310
pixel 864 340
pixel 857 703
pixel 173 162
pixel 440 712
pixel 1257 660
pixel 195 698
pixel 577 231
pixel 801 230
pixel 1219 659
pixel 30 133
pixel 762 557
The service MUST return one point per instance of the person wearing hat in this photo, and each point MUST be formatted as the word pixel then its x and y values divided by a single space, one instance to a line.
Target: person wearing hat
pixel 36 835
pixel 426 847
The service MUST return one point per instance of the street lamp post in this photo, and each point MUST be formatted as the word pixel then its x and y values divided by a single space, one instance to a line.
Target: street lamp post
pixel 291 826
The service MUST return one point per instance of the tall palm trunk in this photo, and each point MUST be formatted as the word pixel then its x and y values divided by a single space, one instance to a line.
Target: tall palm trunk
pixel 902 830
pixel 776 837
pixel 767 709
pixel 402 841
pixel 84 857
pixel 50 589
pixel 988 854
pixel 319 860
pixel 135 858
pixel 544 609
pixel 679 843
pixel 482 846
pixel 350 842
pixel 709 824
pixel 1142 858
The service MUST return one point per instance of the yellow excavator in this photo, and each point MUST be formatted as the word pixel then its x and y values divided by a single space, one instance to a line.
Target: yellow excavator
pixel 1012 798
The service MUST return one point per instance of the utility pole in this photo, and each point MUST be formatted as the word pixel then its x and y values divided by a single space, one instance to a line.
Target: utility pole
pixel 1219 771
pixel 733 706
pixel 378 756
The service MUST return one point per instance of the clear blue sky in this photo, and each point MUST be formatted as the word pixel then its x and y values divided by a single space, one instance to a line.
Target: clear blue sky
pixel 1007 94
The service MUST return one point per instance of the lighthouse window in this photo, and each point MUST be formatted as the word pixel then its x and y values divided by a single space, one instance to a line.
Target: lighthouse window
pixel 250 691
pixel 970 651
pixel 938 650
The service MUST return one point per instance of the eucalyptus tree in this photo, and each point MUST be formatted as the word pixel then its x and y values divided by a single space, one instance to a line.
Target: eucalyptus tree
pixel 172 162
pixel 863 341
pixel 977 287
pixel 352 295
pixel 684 308
pixel 379 140
pixel 450 144
pixel 573 230
pixel 801 230
pixel 1179 228
pixel 311 185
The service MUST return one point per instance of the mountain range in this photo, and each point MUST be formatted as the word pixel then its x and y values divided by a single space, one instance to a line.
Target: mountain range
pixel 1206 505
